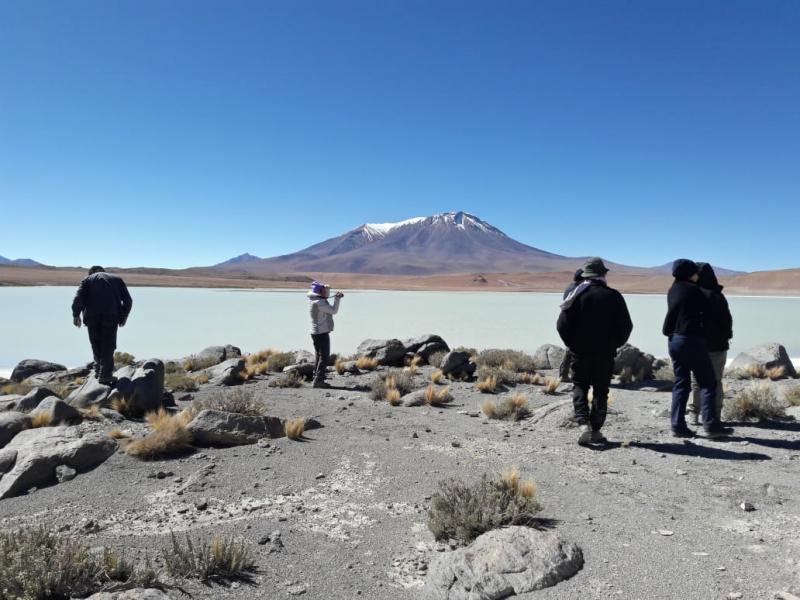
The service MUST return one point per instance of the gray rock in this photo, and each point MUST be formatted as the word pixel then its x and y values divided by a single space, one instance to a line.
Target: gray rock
pixel 91 392
pixel 457 364
pixel 502 563
pixel 767 356
pixel 226 372
pixel 60 410
pixel 639 363
pixel 387 352
pixel 217 428
pixel 9 401
pixel 33 398
pixel 303 370
pixel 134 594
pixel 40 451
pixel 416 398
pixel 144 390
pixel 11 423
pixel 32 366
pixel 219 353
pixel 548 356
pixel 304 356
pixel 65 473
pixel 7 460
pixel 425 345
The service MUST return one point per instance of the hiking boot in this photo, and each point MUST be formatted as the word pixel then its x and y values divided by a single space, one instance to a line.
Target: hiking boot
pixel 718 432
pixel 320 384
pixel 694 418
pixel 109 381
pixel 598 437
pixel 683 432
pixel 586 435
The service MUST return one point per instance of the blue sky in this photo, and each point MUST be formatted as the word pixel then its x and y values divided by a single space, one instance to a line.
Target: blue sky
pixel 181 133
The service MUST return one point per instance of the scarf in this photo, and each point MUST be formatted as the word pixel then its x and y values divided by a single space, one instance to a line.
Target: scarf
pixel 582 287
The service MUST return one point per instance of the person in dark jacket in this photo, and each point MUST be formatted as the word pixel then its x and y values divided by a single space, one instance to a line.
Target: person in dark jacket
pixel 566 362
pixel 105 303
pixel 688 311
pixel 593 323
pixel 719 331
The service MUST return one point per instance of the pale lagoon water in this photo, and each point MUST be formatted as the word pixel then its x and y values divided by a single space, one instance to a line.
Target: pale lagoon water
pixel 175 322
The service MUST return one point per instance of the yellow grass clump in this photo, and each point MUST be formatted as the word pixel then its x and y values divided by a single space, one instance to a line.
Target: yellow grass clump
pixel 339 366
pixel 437 396
pixel 531 378
pixel 168 437
pixel 92 413
pixel 551 384
pixel 488 385
pixel 202 378
pixel 393 396
pixel 119 434
pixel 775 373
pixel 437 376
pixel 489 408
pixel 43 419
pixel 367 364
pixel 519 401
pixel 294 428
pixel 511 478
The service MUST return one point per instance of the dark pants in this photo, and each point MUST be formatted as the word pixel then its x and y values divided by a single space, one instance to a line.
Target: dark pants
pixel 689 354
pixel 103 337
pixel 566 365
pixel 595 371
pixel 322 348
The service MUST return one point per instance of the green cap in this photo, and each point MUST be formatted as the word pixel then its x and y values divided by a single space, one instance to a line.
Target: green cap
pixel 594 267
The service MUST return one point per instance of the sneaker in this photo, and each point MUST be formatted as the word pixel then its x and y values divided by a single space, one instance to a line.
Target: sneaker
pixel 694 418
pixel 320 384
pixel 586 435
pixel 683 432
pixel 598 437
pixel 718 432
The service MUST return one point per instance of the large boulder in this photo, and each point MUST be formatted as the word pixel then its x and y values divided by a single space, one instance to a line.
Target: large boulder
pixel 32 366
pixel 7 460
pixel 457 365
pixel 387 352
pixel 765 356
pixel 143 390
pixel 11 423
pixel 425 345
pixel 502 563
pixel 60 411
pixel 219 353
pixel 304 370
pixel 33 398
pixel 90 392
pixel 637 363
pixel 227 372
pixel 40 451
pixel 548 356
pixel 10 401
pixel 218 428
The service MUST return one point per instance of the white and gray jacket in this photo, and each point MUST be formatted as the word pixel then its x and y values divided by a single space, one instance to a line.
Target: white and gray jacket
pixel 322 313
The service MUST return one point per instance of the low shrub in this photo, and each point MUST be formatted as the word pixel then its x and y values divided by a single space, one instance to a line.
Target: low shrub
pixel 367 364
pixel 501 375
pixel 38 564
pixel 180 382
pixel 219 559
pixel 286 380
pixel 463 511
pixel 488 385
pixel 511 360
pixel 551 385
pixel 792 395
pixel 758 402
pixel 437 396
pixel 435 359
pixel 198 363
pixel 470 351
pixel 392 379
pixel 437 376
pixel 238 400
pixel 665 373
pixel 294 428
pixel 512 408
pixel 123 359
pixel 169 436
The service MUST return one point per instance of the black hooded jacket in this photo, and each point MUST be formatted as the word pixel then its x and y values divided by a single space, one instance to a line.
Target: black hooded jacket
pixel 597 322
pixel 576 279
pixel 102 295
pixel 688 308
pixel 719 324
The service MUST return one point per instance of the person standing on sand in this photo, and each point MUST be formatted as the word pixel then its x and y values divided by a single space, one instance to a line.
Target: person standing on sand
pixel 105 303
pixel 593 323
pixel 566 362
pixel 719 331
pixel 321 326
pixel 688 312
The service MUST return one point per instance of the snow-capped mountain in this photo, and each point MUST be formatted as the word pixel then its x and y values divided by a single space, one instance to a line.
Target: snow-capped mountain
pixel 454 242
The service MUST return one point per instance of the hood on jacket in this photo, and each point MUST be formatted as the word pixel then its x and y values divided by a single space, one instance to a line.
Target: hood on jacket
pixel 708 279
pixel 683 269
pixel 578 277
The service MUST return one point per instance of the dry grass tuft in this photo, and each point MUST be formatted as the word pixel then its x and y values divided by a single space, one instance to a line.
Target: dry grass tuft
pixel 119 434
pixel 551 385
pixel 202 378
pixel 180 382
pixel 531 378
pixel 43 419
pixel 238 400
pixel 168 438
pixel 294 428
pixel 502 375
pixel 367 364
pixel 758 402
pixel 436 396
pixel 220 559
pixel 775 373
pixel 92 413
pixel 266 361
pixel 16 388
pixel 393 379
pixel 339 366
pixel 393 396
pixel 488 385
pixel 435 359
pixel 437 376
pixel 123 359
pixel 464 511
pixel 510 360
pixel 125 407
pixel 512 408
pixel 198 363
pixel 792 396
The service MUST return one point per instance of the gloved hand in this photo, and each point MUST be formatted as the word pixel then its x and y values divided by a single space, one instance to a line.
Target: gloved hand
pixel 76 321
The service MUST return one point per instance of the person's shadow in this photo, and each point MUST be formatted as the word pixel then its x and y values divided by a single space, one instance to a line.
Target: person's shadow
pixel 687 448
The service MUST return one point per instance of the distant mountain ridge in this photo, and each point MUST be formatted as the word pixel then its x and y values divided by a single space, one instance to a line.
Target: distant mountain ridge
pixel 453 242
pixel 20 262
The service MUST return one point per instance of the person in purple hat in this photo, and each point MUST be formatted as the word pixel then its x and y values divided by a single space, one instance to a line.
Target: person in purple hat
pixel 322 313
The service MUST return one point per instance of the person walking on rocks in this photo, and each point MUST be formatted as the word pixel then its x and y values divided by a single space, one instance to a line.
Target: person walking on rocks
pixel 566 362
pixel 689 312
pixel 593 323
pixel 719 331
pixel 321 326
pixel 104 302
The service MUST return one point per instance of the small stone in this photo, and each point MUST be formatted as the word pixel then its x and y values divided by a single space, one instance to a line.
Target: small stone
pixel 455 444
pixel 681 472
pixel 734 596
pixel 201 504
pixel 747 507
pixel 65 473
pixel 414 435
pixel 666 532
pixel 320 476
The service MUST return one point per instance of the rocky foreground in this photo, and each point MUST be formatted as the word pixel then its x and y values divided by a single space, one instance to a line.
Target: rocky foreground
pixel 342 510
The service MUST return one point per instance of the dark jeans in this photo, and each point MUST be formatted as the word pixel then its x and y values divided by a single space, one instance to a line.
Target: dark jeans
pixel 103 337
pixel 595 371
pixel 689 354
pixel 566 365
pixel 322 348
